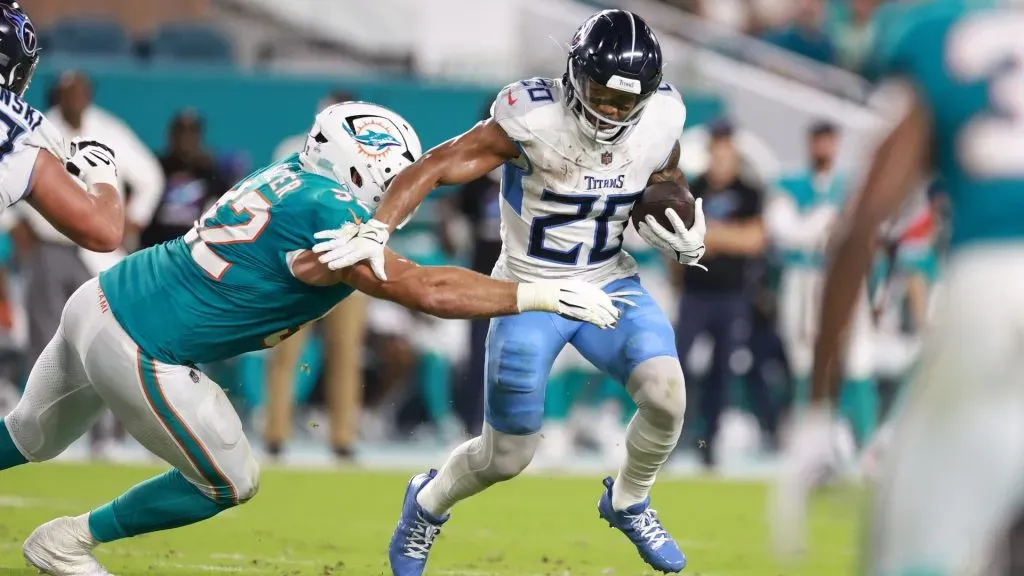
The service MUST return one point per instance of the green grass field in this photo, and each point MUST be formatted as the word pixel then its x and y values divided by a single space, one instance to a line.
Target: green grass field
pixel 339 523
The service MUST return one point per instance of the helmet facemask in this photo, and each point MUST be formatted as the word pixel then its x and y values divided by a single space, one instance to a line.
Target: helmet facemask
pixel 605 113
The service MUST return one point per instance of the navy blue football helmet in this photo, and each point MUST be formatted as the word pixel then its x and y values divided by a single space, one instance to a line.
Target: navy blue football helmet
pixel 614 67
pixel 19 47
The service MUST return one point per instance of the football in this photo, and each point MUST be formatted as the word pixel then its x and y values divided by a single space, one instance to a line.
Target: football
pixel 658 197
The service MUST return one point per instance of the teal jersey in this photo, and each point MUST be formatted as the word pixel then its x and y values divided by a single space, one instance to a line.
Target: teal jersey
pixel 807 194
pixel 962 58
pixel 226 287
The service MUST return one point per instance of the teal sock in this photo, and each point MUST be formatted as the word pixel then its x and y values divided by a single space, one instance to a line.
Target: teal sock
pixel 160 503
pixel 801 391
pixel 858 402
pixel 435 375
pixel 10 456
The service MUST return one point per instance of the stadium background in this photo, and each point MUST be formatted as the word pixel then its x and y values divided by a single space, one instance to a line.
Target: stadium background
pixel 760 75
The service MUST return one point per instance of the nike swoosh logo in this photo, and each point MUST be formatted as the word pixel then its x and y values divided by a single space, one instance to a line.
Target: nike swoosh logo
pixel 511 101
pixel 355 218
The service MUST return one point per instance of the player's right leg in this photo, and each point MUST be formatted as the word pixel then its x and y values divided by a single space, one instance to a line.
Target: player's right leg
pixel 520 352
pixel 177 413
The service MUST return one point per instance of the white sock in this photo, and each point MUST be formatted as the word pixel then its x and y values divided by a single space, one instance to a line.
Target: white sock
pixel 481 462
pixel 82 531
pixel 660 394
pixel 456 480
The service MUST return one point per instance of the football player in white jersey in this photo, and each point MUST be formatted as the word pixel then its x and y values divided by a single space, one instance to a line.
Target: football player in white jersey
pixel 577 153
pixel 34 163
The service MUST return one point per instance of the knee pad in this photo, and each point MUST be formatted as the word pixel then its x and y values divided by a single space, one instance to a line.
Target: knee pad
pixel 249 485
pixel 504 456
pixel 659 390
pixel 517 371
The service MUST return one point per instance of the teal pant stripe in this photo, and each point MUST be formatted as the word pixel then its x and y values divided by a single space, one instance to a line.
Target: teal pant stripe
pixel 195 451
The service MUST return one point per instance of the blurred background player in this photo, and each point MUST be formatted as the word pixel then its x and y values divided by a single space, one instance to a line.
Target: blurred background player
pixel 951 484
pixel 800 218
pixel 242 279
pixel 616 120
pixel 718 302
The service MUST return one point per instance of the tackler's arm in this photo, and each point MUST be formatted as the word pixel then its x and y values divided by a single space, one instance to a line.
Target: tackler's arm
pixel 460 160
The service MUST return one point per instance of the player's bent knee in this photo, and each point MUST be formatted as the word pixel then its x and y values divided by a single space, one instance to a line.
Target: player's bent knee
pixel 249 484
pixel 508 454
pixel 27 434
pixel 659 390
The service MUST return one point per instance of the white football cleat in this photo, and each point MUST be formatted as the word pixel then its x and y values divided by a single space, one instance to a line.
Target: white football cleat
pixel 63 547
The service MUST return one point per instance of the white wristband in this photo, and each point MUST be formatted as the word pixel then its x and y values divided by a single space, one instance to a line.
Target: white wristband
pixel 531 297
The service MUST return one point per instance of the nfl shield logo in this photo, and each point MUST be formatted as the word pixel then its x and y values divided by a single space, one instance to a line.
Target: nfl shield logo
pixel 606 158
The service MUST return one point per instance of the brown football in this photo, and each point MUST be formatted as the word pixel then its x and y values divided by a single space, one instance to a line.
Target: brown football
pixel 658 197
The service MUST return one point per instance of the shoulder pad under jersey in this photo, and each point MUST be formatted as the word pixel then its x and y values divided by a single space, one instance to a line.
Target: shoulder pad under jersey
pixel 514 104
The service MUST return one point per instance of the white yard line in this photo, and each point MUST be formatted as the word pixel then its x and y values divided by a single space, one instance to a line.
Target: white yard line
pixel 15 501
pixel 281 560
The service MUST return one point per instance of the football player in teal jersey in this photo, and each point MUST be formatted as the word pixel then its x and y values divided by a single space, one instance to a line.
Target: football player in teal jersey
pixel 952 482
pixel 242 279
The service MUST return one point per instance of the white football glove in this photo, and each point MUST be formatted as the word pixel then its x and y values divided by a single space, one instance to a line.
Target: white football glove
pixel 810 457
pixel 573 299
pixel 342 249
pixel 92 162
pixel 686 246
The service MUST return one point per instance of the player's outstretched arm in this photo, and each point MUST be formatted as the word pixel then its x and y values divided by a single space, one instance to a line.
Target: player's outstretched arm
pixel 460 160
pixel 93 218
pixel 896 167
pixel 450 292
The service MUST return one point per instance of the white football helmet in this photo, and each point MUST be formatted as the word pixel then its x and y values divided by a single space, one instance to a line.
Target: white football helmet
pixel 360 145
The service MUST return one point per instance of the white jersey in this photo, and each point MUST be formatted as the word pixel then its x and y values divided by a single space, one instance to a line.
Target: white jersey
pixel 24 131
pixel 567 199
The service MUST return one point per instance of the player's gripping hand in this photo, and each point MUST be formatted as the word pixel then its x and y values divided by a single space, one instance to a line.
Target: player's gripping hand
pixel 573 299
pixel 343 248
pixel 684 244
pixel 811 456
pixel 92 162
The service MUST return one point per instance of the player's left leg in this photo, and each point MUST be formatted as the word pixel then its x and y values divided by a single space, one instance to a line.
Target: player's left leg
pixel 520 352
pixel 181 415
pixel 178 414
pixel 641 353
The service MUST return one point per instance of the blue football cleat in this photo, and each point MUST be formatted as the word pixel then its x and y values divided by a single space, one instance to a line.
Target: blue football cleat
pixel 641 525
pixel 416 531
